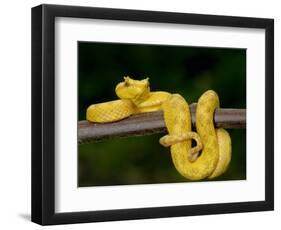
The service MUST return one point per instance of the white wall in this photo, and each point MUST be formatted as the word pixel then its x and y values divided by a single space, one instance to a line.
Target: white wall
pixel 15 117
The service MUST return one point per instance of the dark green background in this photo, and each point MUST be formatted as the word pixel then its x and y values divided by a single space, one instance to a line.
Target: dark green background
pixel 189 71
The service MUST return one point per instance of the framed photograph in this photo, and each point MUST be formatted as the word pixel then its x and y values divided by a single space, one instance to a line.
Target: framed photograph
pixel 143 114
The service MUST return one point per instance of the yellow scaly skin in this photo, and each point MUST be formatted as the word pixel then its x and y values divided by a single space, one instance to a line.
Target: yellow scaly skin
pixel 135 97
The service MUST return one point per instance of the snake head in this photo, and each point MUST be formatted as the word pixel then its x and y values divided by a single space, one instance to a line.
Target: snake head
pixel 135 90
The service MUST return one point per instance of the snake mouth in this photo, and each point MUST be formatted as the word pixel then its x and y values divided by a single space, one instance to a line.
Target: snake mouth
pixel 197 146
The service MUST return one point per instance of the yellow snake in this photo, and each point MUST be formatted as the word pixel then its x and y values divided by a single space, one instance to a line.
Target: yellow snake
pixel 212 154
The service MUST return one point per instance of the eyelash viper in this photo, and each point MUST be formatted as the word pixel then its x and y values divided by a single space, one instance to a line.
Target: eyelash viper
pixel 211 155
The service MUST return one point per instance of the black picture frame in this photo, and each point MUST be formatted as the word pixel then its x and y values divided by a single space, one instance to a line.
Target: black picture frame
pixel 43 110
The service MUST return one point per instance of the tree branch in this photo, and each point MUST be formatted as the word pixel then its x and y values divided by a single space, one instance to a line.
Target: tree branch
pixel 150 123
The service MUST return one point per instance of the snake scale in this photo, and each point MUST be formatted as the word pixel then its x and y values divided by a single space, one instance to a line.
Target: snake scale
pixel 211 155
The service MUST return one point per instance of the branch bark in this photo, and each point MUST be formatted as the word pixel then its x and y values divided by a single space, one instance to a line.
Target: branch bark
pixel 150 123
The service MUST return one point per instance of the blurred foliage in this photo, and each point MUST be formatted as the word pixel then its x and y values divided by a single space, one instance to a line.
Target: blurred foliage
pixel 189 71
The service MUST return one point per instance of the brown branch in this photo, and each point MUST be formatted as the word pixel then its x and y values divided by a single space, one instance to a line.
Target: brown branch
pixel 150 123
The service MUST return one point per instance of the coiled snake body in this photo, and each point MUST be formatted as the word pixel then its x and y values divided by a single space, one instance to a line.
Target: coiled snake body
pixel 135 97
